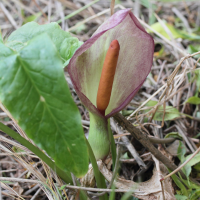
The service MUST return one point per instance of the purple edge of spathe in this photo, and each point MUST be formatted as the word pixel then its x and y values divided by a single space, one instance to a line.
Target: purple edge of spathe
pixel 89 43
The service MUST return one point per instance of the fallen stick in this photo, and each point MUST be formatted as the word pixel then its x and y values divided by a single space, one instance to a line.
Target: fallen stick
pixel 144 140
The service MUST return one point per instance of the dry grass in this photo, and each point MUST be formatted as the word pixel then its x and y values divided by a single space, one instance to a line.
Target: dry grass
pixel 171 83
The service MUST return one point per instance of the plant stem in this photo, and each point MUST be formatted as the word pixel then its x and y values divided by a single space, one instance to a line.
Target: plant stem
pixel 113 146
pixel 99 136
pixel 63 175
pixel 98 176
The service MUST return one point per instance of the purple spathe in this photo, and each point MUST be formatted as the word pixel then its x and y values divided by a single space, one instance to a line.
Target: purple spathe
pixel 134 62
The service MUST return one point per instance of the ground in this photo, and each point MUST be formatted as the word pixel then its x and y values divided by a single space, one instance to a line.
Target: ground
pixel 167 104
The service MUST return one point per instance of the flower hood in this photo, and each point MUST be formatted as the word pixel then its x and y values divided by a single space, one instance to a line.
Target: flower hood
pixel 134 62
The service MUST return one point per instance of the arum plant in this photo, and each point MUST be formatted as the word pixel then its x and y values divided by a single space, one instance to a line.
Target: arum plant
pixel 108 70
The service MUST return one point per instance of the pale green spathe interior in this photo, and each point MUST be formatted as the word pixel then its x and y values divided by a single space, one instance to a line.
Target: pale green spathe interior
pixel 132 67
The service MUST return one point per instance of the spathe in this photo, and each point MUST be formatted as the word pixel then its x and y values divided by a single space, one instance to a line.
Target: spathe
pixel 134 63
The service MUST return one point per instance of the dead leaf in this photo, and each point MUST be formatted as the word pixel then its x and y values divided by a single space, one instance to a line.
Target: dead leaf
pixel 172 149
pixel 108 161
pixel 17 188
pixel 155 77
pixel 150 189
pixel 88 180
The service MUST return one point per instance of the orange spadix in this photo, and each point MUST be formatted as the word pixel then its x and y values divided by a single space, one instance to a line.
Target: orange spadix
pixel 107 76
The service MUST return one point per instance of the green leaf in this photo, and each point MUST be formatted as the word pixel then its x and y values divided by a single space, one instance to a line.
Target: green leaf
pixel 181 151
pixel 5 51
pixel 190 185
pixel 159 28
pixel 193 100
pixel 170 112
pixel 113 193
pixel 68 48
pixel 79 28
pixel 193 161
pixel 197 79
pixel 148 4
pixel 196 136
pixel 17 149
pixel 33 88
pixel 193 49
pixel 180 197
pixel 174 135
pixel 189 36
pixel 195 195
pixel 180 185
pixel 125 156
pixel 128 196
pixel 64 42
pixel 7 182
pixel 32 29
pixel 151 103
pixel 175 32
pixel 197 167
pixel 126 112
pixel 62 187
pixel 32 18
pixel 187 170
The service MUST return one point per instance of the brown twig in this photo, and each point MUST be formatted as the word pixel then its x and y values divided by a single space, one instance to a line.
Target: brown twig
pixel 144 140
pixel 129 146
pixel 152 139
pixel 163 193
